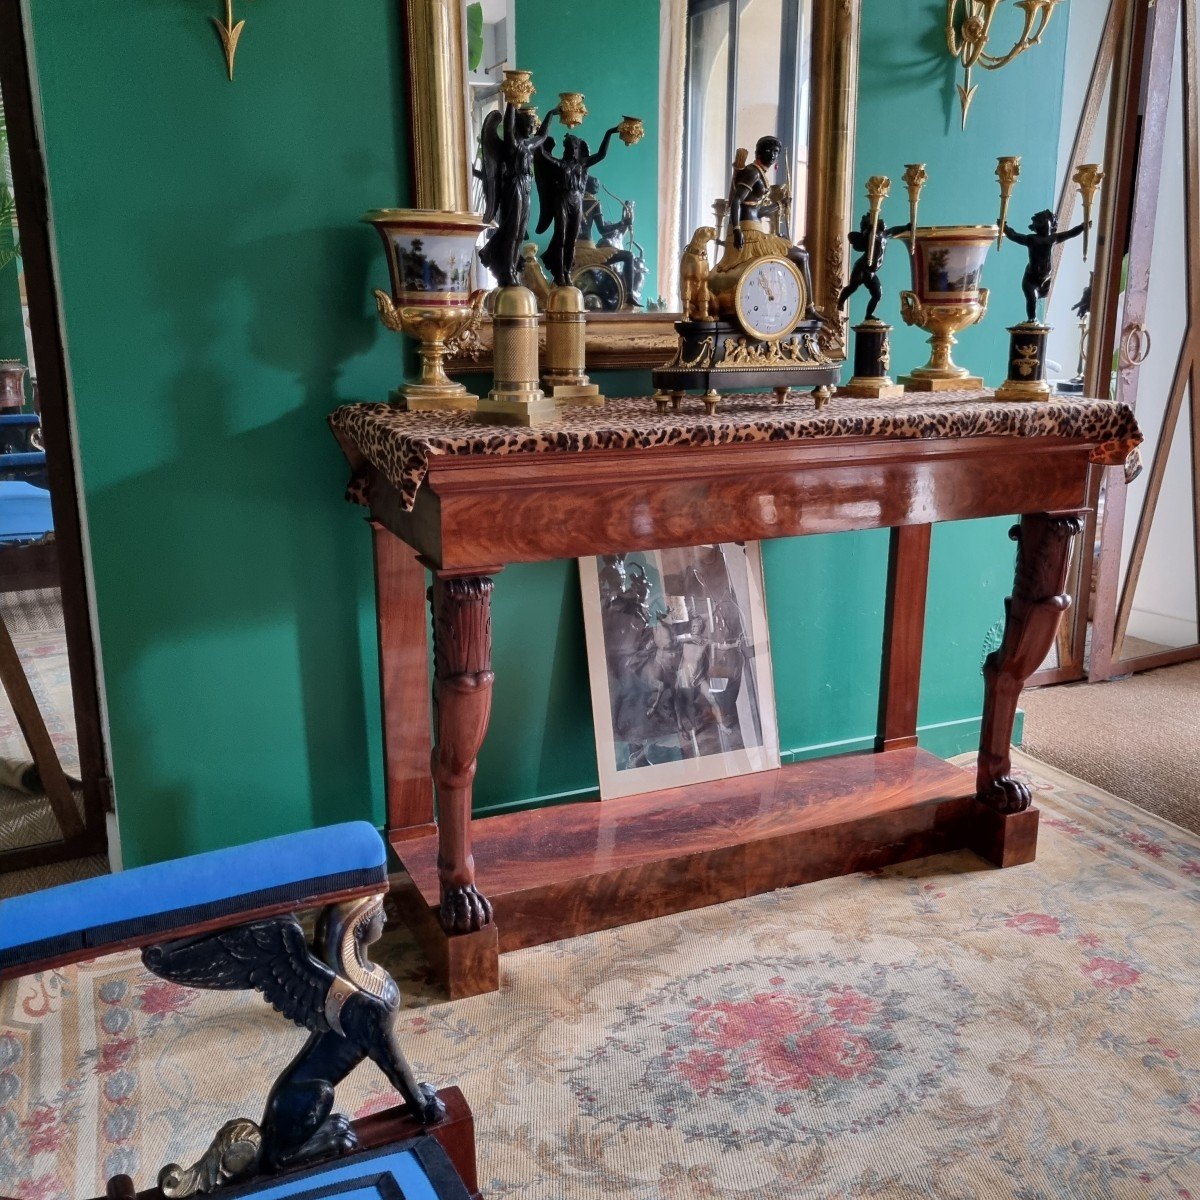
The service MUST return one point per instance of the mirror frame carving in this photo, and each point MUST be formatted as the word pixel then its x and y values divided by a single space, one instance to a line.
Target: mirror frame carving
pixel 436 53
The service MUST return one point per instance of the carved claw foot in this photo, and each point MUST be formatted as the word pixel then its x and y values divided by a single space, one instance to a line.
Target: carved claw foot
pixel 1007 795
pixel 429 1107
pixel 334 1138
pixel 464 910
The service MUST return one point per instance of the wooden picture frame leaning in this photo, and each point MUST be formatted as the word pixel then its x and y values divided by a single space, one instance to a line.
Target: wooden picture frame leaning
pixel 435 53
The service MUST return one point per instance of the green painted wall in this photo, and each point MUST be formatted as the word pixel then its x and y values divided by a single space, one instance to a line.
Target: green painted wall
pixel 908 112
pixel 615 65
pixel 217 291
pixel 217 298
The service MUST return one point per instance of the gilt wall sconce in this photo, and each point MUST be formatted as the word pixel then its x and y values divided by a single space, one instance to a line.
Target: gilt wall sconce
pixel 967 37
pixel 230 32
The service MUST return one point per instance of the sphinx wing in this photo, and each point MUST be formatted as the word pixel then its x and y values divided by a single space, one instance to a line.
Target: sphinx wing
pixel 270 956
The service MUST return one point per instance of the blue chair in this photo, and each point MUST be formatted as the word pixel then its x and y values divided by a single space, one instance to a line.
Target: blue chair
pixel 25 514
pixel 226 919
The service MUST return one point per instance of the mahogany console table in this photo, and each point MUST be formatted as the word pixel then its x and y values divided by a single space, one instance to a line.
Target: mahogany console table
pixel 465 499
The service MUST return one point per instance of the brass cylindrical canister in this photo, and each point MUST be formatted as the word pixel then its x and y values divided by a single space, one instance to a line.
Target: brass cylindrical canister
pixel 566 330
pixel 515 398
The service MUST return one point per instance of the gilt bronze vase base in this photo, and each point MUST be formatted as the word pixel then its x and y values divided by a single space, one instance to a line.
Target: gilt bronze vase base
pixel 919 383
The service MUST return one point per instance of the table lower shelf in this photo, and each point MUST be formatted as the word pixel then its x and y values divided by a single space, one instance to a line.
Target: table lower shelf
pixel 558 872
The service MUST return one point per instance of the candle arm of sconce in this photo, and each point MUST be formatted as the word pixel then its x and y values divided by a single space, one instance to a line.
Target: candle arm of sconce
pixel 969 50
pixel 1033 10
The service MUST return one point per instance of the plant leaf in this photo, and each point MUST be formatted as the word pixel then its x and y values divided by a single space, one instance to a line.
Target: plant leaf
pixel 474 36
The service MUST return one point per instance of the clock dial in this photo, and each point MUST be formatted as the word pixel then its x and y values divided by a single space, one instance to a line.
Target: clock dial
pixel 769 299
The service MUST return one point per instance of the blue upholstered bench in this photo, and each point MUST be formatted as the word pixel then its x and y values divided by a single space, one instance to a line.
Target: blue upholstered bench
pixel 25 514
pixel 227 920
pixel 85 919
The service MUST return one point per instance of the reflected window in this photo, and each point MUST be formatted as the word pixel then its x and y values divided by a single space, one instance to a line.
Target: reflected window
pixel 749 71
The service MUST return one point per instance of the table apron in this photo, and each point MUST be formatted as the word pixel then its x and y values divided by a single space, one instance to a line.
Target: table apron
pixel 533 510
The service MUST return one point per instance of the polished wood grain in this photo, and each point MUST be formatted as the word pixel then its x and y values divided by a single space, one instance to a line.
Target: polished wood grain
pixel 570 505
pixel 1005 839
pixel 455 1133
pixel 558 872
pixel 465 964
pixel 462 693
pixel 404 682
pixel 1032 616
pixel 903 636
pixel 532 877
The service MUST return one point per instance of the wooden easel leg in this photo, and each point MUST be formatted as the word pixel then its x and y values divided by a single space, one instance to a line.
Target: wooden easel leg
pixel 37 737
pixel 462 647
pixel 1032 616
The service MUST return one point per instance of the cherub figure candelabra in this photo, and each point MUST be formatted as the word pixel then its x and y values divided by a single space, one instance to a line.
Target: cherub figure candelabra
pixel 865 271
pixel 1027 355
pixel 872 355
pixel 1040 243
pixel 562 188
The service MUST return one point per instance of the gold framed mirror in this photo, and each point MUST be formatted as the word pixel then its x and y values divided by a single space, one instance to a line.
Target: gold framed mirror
pixel 435 35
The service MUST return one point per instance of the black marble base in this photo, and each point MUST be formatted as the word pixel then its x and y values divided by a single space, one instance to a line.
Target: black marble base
pixel 718 356
pixel 872 358
pixel 1026 363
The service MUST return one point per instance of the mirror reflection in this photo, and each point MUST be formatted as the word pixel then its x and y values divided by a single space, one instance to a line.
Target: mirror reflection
pixel 746 75
pixel 39 751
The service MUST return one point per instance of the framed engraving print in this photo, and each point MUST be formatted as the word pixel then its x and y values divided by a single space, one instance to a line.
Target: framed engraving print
pixel 680 666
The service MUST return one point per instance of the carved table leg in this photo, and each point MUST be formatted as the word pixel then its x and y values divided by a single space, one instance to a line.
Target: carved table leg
pixel 1032 615
pixel 462 696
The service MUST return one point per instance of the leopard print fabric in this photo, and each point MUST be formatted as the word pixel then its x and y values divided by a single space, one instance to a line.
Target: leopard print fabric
pixel 400 444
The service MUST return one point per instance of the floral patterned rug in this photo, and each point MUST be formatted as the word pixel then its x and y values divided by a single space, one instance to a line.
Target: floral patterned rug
pixel 939 1029
pixel 34 620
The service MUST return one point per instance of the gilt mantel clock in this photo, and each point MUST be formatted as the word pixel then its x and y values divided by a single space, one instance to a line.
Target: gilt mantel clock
pixel 754 332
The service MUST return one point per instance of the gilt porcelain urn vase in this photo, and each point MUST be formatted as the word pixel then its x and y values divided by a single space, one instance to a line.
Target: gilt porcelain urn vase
pixel 946 297
pixel 430 258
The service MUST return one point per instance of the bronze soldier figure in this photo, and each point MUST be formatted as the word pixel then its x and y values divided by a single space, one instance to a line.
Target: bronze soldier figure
pixel 749 207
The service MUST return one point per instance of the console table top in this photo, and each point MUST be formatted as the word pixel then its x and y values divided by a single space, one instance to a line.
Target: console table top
pixel 400 444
